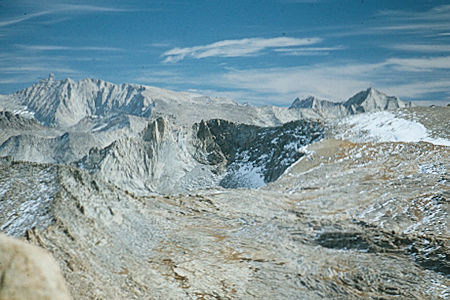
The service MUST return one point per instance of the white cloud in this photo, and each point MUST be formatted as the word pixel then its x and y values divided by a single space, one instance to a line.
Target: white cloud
pixel 432 20
pixel 421 48
pixel 415 27
pixel 285 84
pixel 339 81
pixel 419 64
pixel 308 50
pixel 235 48
pixel 63 8
pixel 66 48
pixel 437 13
pixel 159 45
pixel 417 88
pixel 25 17
pixel 36 69
pixel 89 8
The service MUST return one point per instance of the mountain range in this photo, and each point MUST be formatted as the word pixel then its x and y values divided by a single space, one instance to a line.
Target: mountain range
pixel 64 103
pixel 152 140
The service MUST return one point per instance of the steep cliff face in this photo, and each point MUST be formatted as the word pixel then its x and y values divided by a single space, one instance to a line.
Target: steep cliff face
pixel 251 155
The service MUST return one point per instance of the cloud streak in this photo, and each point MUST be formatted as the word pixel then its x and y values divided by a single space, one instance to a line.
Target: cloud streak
pixel 25 17
pixel 437 13
pixel 308 51
pixel 62 8
pixel 67 48
pixel 235 48
pixel 419 64
pixel 421 48
pixel 36 69
pixel 339 81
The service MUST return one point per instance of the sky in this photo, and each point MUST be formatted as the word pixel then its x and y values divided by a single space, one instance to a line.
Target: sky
pixel 259 52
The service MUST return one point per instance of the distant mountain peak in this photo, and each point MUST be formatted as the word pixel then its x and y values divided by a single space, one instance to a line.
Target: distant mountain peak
pixel 311 102
pixel 367 100
pixel 373 100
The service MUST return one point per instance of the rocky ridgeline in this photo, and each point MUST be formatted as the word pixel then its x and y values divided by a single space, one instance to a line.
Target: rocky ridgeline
pixel 100 125
pixel 369 100
pixel 168 159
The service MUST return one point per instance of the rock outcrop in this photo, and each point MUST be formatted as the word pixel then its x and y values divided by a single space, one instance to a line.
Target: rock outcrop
pixel 29 272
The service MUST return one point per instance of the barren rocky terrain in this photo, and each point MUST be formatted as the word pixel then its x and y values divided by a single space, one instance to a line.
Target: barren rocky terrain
pixel 342 207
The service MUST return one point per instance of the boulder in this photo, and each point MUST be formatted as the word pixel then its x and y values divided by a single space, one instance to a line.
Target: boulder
pixel 28 272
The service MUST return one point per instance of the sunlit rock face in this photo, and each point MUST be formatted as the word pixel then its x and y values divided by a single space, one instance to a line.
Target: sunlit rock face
pixel 29 272
pixel 232 202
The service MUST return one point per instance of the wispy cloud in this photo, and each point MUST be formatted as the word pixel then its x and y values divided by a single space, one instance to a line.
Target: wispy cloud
pixel 36 69
pixel 437 13
pixel 421 48
pixel 24 18
pixel 90 8
pixel 415 27
pixel 339 81
pixel 308 50
pixel 236 48
pixel 61 8
pixel 284 84
pixel 418 88
pixel 301 1
pixel 159 45
pixel 432 20
pixel 419 64
pixel 66 48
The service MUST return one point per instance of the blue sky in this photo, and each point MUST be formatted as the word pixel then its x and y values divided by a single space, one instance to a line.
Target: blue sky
pixel 262 52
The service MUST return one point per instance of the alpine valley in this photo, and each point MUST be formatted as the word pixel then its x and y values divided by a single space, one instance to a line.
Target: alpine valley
pixel 143 193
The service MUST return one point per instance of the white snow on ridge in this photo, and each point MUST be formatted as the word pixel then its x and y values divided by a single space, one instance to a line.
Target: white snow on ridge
pixel 386 127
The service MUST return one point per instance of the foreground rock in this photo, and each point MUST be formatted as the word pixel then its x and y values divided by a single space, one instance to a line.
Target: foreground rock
pixel 28 272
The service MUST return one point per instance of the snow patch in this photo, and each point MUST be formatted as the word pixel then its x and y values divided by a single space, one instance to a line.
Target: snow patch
pixel 386 127
pixel 248 176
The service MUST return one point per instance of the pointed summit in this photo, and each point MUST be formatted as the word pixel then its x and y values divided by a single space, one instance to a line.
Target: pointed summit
pixel 311 102
pixel 373 100
pixel 50 78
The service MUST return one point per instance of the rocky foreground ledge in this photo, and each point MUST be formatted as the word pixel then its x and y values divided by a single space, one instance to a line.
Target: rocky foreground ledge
pixel 29 272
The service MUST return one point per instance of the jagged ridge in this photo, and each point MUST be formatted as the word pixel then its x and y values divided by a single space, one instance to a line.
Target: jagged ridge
pixel 369 100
